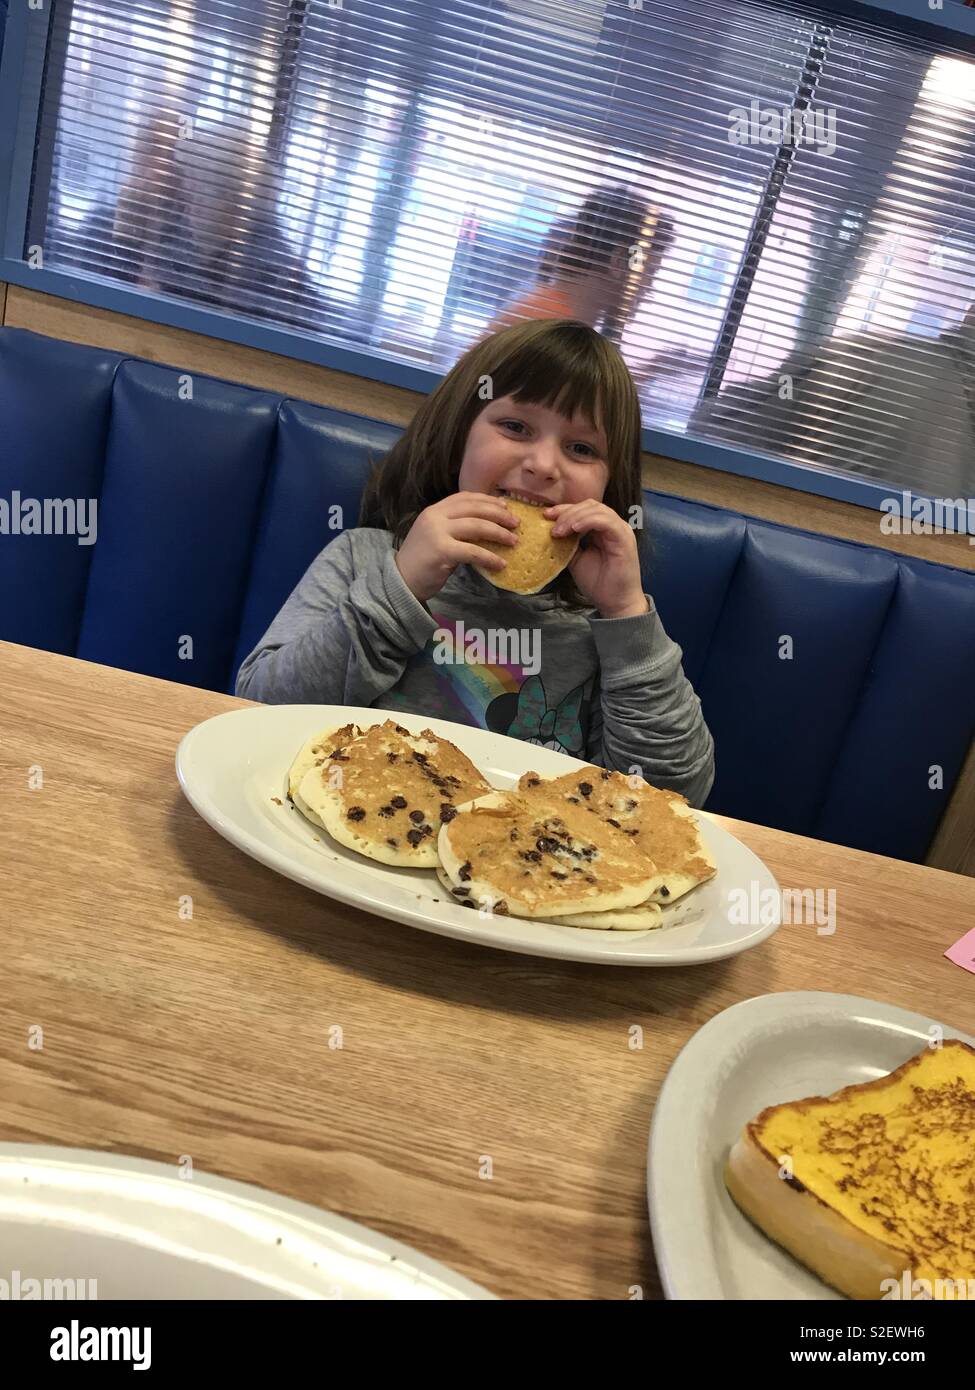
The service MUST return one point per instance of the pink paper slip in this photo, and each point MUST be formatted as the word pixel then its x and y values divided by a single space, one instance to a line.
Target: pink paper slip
pixel 963 952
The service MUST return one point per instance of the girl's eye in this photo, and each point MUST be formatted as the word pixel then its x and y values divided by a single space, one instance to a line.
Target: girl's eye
pixel 580 449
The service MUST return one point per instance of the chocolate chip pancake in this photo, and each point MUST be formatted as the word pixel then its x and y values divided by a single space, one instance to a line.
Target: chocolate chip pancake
pixel 395 791
pixel 644 917
pixel 315 752
pixel 659 822
pixel 535 858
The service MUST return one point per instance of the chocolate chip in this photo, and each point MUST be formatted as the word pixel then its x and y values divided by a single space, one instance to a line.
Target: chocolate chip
pixel 455 781
pixel 533 782
pixel 514 834
pixel 398 801
pixel 447 813
pixel 419 757
pixel 555 874
pixel 394 843
pixel 616 823
pixel 466 902
pixel 357 813
pixel 386 810
pixel 416 817
pixel 460 892
pixel 547 845
pixel 665 892
pixel 576 869
pixel 400 730
pixel 501 908
pixel 426 830
pixel 414 837
pixel 574 800
pixel 586 788
pixel 532 855
pixel 630 804
pixel 464 872
pixel 590 879
pixel 392 757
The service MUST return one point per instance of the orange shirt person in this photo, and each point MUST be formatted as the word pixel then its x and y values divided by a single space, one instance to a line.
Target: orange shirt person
pixel 586 268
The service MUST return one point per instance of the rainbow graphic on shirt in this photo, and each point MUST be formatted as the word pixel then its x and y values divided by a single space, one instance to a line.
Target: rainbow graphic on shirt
pixel 499 696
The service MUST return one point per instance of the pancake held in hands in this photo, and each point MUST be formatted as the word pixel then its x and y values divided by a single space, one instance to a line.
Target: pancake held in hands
pixel 527 858
pixel 660 823
pixel 385 792
pixel 536 559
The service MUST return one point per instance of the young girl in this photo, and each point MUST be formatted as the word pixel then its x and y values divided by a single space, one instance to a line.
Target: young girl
pixel 392 614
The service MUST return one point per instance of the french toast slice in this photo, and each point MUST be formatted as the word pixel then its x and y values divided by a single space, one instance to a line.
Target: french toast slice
pixel 876 1180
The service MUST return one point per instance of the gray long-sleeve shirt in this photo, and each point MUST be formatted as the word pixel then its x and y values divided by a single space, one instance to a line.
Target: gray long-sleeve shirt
pixel 610 691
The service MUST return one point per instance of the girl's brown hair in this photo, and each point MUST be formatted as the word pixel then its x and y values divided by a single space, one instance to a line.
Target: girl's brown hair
pixel 558 363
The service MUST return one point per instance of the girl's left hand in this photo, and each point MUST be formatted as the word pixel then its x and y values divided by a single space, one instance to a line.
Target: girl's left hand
pixel 607 570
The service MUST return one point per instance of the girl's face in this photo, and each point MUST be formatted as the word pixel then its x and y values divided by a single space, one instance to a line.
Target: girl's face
pixel 533 452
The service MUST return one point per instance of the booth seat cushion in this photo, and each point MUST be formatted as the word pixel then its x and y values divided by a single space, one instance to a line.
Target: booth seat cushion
pixel 836 678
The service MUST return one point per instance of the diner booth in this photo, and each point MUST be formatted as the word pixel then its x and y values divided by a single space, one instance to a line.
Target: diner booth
pixel 255 1054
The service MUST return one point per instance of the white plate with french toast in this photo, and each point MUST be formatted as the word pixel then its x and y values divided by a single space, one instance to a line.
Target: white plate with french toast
pixel 471 834
pixel 816 1146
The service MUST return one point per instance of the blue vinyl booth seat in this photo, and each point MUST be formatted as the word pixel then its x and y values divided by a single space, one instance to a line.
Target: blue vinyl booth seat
pixel 214 498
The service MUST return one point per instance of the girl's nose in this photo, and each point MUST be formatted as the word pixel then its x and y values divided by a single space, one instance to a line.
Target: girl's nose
pixel 543 458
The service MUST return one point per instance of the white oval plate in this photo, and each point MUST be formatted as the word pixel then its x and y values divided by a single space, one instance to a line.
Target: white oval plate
pixel 141 1231
pixel 232 768
pixel 761 1052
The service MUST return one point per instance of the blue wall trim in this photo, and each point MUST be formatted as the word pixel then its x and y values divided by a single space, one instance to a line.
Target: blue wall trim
pixel 800 477
pixel 249 332
pixel 11 67
pixel 20 104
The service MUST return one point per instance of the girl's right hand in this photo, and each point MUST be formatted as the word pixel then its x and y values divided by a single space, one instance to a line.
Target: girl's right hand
pixel 441 539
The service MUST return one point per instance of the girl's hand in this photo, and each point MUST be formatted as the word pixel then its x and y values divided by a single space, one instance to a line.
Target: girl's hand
pixel 442 538
pixel 608 569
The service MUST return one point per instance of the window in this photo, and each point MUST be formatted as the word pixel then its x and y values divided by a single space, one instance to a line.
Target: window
pixel 709 276
pixel 390 176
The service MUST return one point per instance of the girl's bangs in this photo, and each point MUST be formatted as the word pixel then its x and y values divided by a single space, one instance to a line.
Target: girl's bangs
pixel 543 373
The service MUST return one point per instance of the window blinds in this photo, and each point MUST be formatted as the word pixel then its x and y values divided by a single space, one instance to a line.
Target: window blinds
pixel 391 176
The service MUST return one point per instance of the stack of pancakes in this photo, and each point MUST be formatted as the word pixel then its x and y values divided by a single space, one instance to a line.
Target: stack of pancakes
pixel 587 849
pixel 383 791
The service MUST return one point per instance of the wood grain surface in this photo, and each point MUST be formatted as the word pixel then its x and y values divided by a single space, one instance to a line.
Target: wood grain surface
pixel 164 1037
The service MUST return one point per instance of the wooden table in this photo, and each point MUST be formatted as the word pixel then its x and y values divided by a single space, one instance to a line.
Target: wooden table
pixel 210 1037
